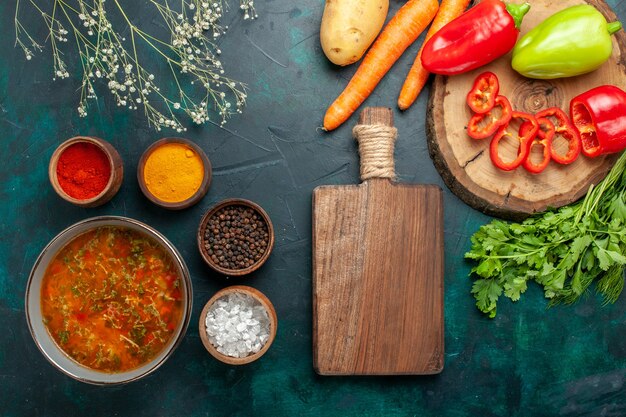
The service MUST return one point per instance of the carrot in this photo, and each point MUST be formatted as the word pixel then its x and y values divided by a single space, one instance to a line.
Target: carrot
pixel 401 31
pixel 417 77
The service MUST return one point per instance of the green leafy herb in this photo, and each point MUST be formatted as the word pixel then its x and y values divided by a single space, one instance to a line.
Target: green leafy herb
pixel 64 336
pixel 137 333
pixel 564 251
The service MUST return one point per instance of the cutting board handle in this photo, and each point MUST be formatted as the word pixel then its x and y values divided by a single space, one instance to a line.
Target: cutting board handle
pixel 376 136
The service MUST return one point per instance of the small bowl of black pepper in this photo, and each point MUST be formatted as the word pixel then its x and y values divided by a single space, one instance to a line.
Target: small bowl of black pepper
pixel 235 237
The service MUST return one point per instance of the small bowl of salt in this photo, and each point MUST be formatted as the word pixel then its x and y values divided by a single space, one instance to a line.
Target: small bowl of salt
pixel 238 325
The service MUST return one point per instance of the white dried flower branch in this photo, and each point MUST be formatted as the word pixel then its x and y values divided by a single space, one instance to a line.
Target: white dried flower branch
pixel 191 56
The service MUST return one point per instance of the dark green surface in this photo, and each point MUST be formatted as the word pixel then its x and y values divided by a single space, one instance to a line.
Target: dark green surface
pixel 529 361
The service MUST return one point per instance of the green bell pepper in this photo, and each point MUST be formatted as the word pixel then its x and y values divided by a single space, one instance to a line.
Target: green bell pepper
pixel 571 42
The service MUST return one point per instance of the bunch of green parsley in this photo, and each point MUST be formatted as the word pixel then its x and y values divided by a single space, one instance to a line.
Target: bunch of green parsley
pixel 564 251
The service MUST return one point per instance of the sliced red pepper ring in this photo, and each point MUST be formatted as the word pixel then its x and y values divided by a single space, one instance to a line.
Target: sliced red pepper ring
pixel 483 125
pixel 543 137
pixel 563 128
pixel 521 136
pixel 482 96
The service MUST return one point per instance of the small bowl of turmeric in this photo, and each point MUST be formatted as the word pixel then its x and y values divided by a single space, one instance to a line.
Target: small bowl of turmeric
pixel 174 173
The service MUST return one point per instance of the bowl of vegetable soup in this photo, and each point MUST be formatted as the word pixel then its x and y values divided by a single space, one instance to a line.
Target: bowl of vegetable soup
pixel 108 300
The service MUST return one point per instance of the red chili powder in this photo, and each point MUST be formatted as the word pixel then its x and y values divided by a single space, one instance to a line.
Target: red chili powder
pixel 83 170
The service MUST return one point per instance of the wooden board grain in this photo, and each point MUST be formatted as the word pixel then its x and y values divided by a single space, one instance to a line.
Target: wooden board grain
pixel 378 276
pixel 464 163
pixel 378 279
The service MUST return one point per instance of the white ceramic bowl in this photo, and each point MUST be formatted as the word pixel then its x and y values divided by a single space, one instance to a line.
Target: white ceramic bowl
pixel 45 342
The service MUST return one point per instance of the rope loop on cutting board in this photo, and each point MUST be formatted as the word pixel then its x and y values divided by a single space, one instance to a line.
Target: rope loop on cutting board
pixel 376 145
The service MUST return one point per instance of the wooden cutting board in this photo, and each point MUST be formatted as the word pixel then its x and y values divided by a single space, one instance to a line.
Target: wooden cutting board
pixel 464 163
pixel 378 274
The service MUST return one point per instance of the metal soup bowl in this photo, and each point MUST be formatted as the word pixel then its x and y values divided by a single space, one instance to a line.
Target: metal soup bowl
pixel 46 343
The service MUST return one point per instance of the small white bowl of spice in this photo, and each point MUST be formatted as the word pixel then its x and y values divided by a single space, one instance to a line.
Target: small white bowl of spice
pixel 238 325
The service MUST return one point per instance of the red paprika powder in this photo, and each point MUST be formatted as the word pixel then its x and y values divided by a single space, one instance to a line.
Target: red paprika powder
pixel 83 170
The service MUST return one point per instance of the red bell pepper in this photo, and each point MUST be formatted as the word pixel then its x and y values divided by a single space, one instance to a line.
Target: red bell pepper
pixel 562 128
pixel 600 117
pixel 544 136
pixel 480 35
pixel 483 125
pixel 522 136
pixel 482 96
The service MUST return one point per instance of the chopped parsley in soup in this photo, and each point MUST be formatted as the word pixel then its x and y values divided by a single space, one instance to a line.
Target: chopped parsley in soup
pixel 112 299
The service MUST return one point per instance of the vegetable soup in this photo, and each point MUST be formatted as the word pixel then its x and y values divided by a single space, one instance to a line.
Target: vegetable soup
pixel 112 299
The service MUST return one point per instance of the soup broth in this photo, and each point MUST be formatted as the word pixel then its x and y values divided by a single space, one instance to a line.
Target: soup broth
pixel 111 299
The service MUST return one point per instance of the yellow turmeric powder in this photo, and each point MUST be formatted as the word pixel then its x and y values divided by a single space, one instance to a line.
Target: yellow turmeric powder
pixel 173 172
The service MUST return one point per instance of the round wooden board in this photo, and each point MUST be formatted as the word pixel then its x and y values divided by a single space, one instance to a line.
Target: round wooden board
pixel 464 163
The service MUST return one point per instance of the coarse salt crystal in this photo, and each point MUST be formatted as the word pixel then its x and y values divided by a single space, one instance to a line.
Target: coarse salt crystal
pixel 237 325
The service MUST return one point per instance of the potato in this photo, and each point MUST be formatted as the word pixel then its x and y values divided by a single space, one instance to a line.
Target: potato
pixel 349 27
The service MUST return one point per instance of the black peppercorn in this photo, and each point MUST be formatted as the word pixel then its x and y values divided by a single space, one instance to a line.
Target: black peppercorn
pixel 236 237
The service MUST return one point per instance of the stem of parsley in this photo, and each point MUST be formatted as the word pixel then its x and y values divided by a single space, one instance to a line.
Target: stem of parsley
pixel 564 251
